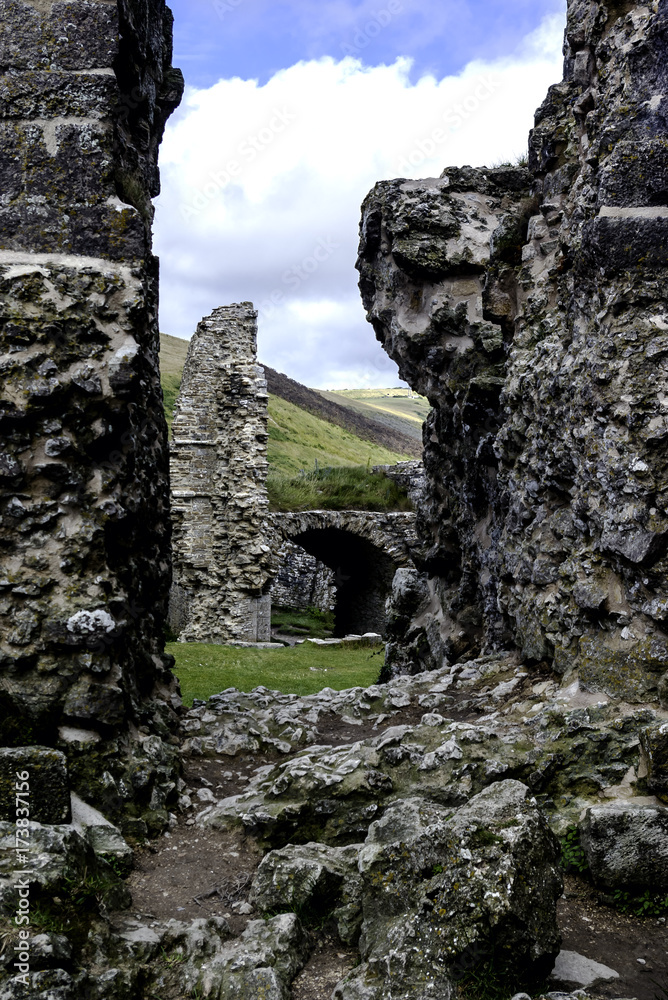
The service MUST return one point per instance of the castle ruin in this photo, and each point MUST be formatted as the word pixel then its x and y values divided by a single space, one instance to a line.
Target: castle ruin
pixel 222 560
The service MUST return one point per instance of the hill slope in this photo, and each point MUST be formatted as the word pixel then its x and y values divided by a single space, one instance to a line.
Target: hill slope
pixel 298 437
pixel 298 440
pixel 396 409
pixel 362 425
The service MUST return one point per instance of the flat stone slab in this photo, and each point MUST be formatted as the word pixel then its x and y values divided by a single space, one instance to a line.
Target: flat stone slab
pixel 576 970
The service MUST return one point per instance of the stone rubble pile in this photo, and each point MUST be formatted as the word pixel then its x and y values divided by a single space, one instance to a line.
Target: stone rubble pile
pixel 428 845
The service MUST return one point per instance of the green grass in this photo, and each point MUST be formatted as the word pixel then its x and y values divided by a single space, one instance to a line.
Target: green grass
pixel 298 439
pixel 335 489
pixel 204 670
pixel 303 622
pixel 396 408
pixel 170 390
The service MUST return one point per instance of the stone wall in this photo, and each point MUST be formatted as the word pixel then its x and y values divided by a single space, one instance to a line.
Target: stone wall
pixel 222 562
pixel 529 305
pixel 302 581
pixel 409 476
pixel 84 504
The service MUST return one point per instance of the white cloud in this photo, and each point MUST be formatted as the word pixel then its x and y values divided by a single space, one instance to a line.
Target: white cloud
pixel 262 189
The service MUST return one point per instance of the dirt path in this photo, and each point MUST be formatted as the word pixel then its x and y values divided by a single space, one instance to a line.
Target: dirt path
pixel 635 948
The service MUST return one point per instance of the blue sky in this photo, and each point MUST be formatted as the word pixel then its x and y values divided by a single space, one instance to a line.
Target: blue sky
pixel 254 39
pixel 292 112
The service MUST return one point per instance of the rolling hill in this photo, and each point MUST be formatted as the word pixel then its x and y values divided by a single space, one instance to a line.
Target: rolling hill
pixel 308 429
pixel 397 409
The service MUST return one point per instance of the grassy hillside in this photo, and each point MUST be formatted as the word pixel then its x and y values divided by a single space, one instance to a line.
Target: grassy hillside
pixel 297 439
pixel 395 434
pixel 342 488
pixel 173 353
pixel 395 408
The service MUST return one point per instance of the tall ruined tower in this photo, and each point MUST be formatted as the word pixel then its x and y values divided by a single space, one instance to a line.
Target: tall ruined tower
pixel 84 536
pixel 530 306
pixel 222 563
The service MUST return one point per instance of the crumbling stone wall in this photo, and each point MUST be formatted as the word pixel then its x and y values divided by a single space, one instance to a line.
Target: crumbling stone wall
pixel 530 306
pixel 84 531
pixel 222 562
pixel 302 581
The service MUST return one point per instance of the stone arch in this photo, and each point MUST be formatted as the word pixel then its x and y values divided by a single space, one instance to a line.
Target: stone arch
pixel 364 551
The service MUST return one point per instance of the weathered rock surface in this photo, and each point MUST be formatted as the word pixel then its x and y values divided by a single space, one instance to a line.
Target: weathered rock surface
pixel 654 742
pixel 35 780
pixel 627 845
pixel 315 880
pixel 578 972
pixel 439 886
pixel 85 93
pixel 529 306
pixel 571 748
pixel 370 834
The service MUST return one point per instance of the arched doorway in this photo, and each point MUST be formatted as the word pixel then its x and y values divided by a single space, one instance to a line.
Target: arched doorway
pixel 363 577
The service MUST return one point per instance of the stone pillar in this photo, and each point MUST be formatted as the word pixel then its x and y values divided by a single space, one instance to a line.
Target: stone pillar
pixel 84 530
pixel 219 499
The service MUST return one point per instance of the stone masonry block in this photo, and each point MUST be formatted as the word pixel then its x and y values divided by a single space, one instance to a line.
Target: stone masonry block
pixel 654 742
pixel 74 35
pixel 49 796
pixel 91 230
pixel 57 94
pixel 620 244
pixel 64 164
pixel 627 845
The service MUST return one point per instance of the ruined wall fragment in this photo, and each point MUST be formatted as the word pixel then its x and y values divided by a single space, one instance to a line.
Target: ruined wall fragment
pixel 302 581
pixel 545 451
pixel 437 265
pixel 222 562
pixel 85 91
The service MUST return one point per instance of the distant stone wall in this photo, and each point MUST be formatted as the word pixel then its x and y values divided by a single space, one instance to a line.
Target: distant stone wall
pixel 302 581
pixel 409 476
pixel 222 562
pixel 84 503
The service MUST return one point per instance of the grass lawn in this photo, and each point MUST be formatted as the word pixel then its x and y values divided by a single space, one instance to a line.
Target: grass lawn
pixel 204 670
pixel 303 622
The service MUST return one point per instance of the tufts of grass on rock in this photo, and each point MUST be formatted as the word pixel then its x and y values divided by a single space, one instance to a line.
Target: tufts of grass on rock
pixel 335 489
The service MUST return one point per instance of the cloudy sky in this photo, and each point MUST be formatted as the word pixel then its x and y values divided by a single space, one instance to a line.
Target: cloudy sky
pixel 293 110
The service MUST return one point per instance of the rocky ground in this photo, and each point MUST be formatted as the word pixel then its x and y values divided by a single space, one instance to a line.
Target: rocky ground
pixel 304 821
